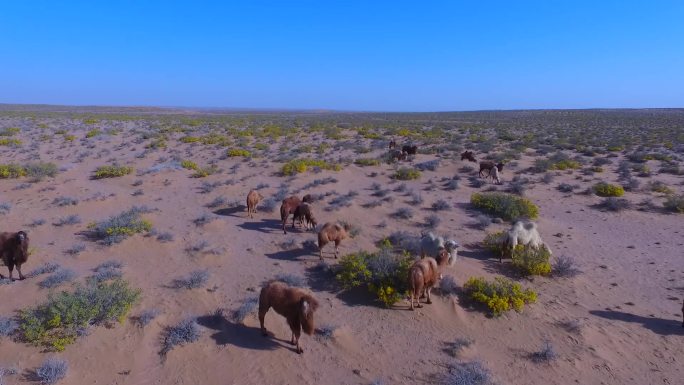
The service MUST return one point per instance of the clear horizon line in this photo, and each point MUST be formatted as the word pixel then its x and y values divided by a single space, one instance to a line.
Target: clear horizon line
pixel 320 110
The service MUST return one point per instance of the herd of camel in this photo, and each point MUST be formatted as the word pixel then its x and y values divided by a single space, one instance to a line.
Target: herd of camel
pixel 298 305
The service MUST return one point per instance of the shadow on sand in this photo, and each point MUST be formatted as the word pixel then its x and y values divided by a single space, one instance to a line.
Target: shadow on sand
pixel 664 327
pixel 237 211
pixel 229 333
pixel 263 225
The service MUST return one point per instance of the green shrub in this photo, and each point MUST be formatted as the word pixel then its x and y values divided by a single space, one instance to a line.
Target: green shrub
pixel 157 143
pixel 111 171
pixel 239 152
pixel 261 146
pixel 675 203
pixel 90 121
pixel 660 187
pixel 504 205
pixel 93 132
pixel 10 131
pixel 59 321
pixel 220 140
pixel 189 165
pixel 500 295
pixel 10 142
pixel 69 138
pixel 8 171
pixel 383 273
pixel 566 164
pixel 119 227
pixel 494 241
pixel 189 139
pixel 204 172
pixel 406 173
pixel 367 162
pixel 40 170
pixel 297 166
pixel 531 261
pixel 604 189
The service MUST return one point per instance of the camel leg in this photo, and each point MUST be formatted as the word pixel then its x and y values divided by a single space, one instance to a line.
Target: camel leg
pixel 320 250
pixel 21 276
pixel 10 266
pixel 337 248
pixel 411 295
pixel 429 299
pixel 262 315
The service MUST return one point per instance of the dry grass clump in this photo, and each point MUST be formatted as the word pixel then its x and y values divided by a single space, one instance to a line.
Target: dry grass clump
pixel 112 171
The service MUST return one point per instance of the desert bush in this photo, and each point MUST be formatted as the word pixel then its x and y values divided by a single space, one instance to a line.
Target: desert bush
pixel 10 142
pixel 416 199
pixel 41 170
pixel 235 152
pixel 111 171
pixel 189 139
pixel 483 221
pixel 297 166
pixel 45 268
pixel 119 227
pixel 291 279
pixel 367 162
pixel 441 205
pixel 660 187
pixel 406 173
pixel 145 317
pixel 565 187
pixel 65 201
pixel 614 204
pixel 107 270
pixel 57 322
pixel 674 203
pixel 468 373
pixel 57 278
pixel 382 273
pixel 204 219
pixel 403 213
pixel 546 354
pixel 10 131
pixel 247 307
pixel 73 219
pixel 432 221
pixel 631 184
pixel 532 261
pixel 507 206
pixel 52 371
pixel 5 208
pixel 7 326
pixel 194 280
pixel 92 133
pixel 430 165
pixel 189 165
pixel 11 171
pixel 565 266
pixel 185 332
pixel 165 237
pixel 604 189
pixel 455 348
pixel 448 285
pixel 499 295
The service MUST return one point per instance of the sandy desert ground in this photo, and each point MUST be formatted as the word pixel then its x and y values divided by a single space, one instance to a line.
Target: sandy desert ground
pixel 617 322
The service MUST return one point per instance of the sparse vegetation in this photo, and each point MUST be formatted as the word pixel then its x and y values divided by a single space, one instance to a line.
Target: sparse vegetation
pixel 383 273
pixel 604 189
pixel 507 206
pixel 59 321
pixel 119 227
pixel 185 332
pixel 499 295
pixel 52 371
pixel 405 173
pixel 297 166
pixel 111 171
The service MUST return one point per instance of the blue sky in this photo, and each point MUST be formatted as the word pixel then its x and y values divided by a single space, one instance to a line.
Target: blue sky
pixel 348 55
